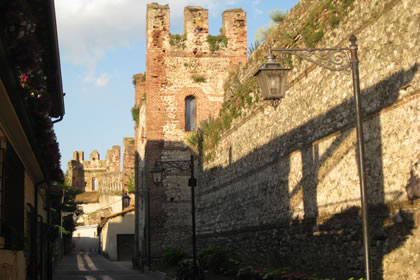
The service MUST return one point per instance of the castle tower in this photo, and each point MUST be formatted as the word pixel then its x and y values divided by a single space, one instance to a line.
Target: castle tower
pixel 184 85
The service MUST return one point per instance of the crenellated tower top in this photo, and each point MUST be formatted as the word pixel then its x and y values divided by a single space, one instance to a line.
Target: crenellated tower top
pixel 232 40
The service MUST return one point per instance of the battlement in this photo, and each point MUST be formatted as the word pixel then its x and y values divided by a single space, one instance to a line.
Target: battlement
pixel 231 41
pixel 79 156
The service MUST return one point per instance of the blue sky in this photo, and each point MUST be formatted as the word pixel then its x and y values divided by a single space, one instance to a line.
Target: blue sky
pixel 102 44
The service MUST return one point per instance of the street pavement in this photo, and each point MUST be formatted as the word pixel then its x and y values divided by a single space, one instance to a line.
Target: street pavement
pixel 93 266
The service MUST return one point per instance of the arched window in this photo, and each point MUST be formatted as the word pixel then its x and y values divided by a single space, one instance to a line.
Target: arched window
pixel 94 184
pixel 190 113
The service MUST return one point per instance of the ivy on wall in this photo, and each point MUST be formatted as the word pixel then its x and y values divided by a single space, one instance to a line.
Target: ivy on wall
pixel 217 42
pixel 135 112
pixel 211 130
pixel 198 78
pixel 242 96
pixel 177 41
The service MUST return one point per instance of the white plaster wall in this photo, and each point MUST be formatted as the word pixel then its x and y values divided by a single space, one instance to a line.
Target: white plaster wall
pixel 118 225
pixel 85 238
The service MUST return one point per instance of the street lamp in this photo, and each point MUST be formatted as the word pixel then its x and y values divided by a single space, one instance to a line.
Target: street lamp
pixel 157 173
pixel 126 201
pixel 182 165
pixel 273 87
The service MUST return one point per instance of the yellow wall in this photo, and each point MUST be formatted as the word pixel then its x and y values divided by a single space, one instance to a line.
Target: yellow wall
pixel 12 265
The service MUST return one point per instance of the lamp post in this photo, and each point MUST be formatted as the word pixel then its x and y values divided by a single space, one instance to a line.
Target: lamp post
pixel 182 165
pixel 125 201
pixel 272 79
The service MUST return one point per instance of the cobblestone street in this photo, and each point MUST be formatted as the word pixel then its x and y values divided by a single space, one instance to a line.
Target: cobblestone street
pixel 92 266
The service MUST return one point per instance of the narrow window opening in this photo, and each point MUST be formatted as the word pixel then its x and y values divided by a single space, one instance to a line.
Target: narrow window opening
pixel 94 184
pixel 190 113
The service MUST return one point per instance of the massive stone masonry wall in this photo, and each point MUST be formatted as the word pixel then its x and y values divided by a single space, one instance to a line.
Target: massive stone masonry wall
pixel 177 67
pixel 283 186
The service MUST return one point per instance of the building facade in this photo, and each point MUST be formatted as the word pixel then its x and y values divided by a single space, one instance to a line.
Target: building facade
pixel 31 101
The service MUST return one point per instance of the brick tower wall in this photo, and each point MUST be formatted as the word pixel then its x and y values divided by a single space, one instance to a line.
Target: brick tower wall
pixel 178 66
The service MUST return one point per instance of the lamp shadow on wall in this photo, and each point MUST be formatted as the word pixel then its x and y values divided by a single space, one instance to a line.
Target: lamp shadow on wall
pixel 333 247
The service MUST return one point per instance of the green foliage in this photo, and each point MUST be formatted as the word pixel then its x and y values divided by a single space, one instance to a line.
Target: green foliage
pixel 185 270
pixel 177 41
pixel 275 274
pixel 219 260
pixel 264 31
pixel 131 184
pixel 311 36
pixel 253 47
pixel 333 21
pixel 62 230
pixel 247 273
pixel 69 205
pixel 173 256
pixel 277 16
pixel 192 10
pixel 118 193
pixel 216 42
pixel 288 36
pixel 198 78
pixel 135 114
pixel 212 129
pixel 313 30
pixel 242 96
pixel 134 81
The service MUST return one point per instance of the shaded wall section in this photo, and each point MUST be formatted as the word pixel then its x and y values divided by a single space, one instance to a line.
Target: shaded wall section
pixel 283 187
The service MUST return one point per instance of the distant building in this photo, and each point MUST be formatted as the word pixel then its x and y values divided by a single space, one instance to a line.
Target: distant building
pixel 104 192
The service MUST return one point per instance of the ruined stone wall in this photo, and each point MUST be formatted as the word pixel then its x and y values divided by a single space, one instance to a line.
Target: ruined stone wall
pixel 178 66
pixel 128 161
pixel 83 173
pixel 283 186
pixel 76 175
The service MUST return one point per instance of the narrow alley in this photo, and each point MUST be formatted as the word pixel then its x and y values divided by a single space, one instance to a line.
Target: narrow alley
pixel 93 266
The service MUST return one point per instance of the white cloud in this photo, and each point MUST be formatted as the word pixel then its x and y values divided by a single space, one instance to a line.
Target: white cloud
pixel 102 80
pixel 88 29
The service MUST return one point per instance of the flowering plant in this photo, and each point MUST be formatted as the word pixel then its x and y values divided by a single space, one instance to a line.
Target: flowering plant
pixel 20 38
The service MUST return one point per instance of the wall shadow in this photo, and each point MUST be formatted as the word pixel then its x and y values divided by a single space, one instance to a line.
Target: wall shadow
pixel 85 244
pixel 332 246
pixel 164 209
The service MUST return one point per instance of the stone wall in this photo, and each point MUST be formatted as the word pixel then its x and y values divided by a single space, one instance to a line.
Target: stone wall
pixel 283 186
pixel 128 160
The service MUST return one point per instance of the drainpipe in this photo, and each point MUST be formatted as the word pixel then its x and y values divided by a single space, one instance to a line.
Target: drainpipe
pixel 35 227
